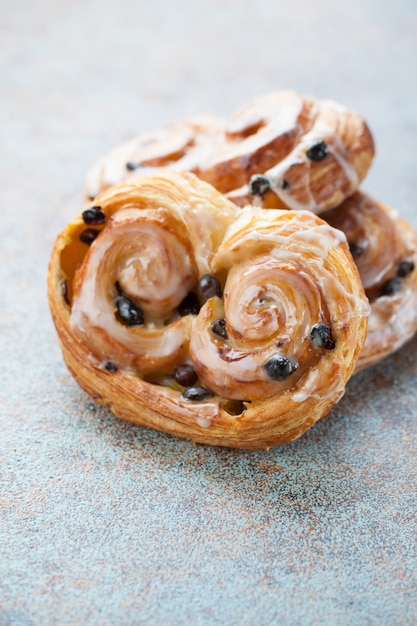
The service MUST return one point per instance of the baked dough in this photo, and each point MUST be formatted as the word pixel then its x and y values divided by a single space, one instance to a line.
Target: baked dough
pixel 181 312
pixel 180 146
pixel 281 150
pixel 384 247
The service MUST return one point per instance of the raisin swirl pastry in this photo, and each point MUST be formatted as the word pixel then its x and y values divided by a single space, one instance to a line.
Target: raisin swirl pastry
pixel 384 247
pixel 281 150
pixel 180 145
pixel 181 312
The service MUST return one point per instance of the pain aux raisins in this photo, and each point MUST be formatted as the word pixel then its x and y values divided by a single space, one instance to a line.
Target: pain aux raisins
pixel 280 367
pixel 321 337
pixel 197 394
pixel 318 151
pixel 94 215
pixel 258 185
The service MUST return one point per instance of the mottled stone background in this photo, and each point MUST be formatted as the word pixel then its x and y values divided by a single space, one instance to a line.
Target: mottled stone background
pixel 104 523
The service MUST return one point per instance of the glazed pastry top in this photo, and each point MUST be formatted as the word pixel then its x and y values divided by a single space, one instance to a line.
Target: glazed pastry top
pixel 281 150
pixel 185 312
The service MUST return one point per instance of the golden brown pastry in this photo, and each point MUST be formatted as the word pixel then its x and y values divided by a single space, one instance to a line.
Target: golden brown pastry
pixel 384 247
pixel 180 145
pixel 281 150
pixel 181 312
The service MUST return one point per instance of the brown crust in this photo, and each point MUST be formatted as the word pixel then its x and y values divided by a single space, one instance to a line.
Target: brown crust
pixel 276 419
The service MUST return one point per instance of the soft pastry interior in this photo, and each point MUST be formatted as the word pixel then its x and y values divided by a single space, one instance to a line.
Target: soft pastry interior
pixel 180 311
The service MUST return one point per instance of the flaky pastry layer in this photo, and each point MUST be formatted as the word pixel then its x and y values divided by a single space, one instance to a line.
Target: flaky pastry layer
pixel 181 312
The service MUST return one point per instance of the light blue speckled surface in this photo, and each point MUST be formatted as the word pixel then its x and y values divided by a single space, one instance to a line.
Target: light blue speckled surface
pixel 104 523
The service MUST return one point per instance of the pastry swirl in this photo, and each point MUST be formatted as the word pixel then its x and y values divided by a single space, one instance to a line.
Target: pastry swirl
pixel 285 284
pixel 179 145
pixel 188 315
pixel 281 150
pixel 384 247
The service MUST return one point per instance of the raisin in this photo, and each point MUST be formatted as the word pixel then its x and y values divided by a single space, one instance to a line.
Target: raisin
pixel 392 286
pixel 321 337
pixel 208 287
pixel 405 268
pixel 219 328
pixel 94 215
pixel 89 235
pixel 128 312
pixel 280 367
pixel 64 292
pixel 356 249
pixel 318 151
pixel 259 185
pixel 190 305
pixel 197 394
pixel 185 375
pixel 110 367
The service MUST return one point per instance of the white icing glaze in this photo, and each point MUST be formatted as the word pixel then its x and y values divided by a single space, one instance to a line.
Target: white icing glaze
pixel 153 254
pixel 271 125
pixel 274 115
pixel 94 308
pixel 187 142
pixel 287 254
pixel 271 301
pixel 321 384
pixel 320 131
pixel 393 320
